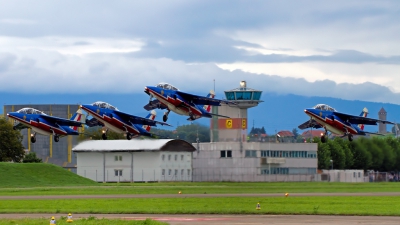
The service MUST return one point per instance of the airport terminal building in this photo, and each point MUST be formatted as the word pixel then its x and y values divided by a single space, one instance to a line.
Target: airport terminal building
pixel 255 161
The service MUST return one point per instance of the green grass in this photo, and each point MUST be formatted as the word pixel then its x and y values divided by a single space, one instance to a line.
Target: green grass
pixel 208 187
pixel 356 205
pixel 38 175
pixel 88 221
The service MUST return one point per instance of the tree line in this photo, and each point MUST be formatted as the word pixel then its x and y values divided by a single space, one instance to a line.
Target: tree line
pixel 376 153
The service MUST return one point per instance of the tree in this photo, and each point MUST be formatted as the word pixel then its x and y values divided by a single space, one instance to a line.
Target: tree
pixel 11 148
pixel 94 133
pixel 295 133
pixel 323 153
pixel 362 159
pixel 347 152
pixel 31 158
pixel 337 155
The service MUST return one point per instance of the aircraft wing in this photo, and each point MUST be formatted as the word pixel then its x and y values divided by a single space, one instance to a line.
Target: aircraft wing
pixel 19 126
pixel 155 104
pixel 310 124
pixel 360 120
pixel 93 123
pixel 139 120
pixel 201 100
pixel 61 121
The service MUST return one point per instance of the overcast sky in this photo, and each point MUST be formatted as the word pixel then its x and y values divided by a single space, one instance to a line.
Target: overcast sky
pixel 344 49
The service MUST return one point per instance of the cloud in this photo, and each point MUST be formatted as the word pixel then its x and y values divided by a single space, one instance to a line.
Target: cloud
pixel 121 73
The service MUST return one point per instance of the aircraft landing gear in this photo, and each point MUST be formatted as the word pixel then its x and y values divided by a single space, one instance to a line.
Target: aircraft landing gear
pixel 56 138
pixel 350 136
pixel 191 116
pixel 33 138
pixel 128 136
pixel 324 136
pixel 104 135
pixel 165 117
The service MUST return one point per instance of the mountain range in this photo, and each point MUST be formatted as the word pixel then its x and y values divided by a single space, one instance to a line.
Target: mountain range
pixel 277 112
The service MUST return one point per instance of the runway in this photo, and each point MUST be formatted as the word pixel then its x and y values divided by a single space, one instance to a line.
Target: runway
pixel 232 219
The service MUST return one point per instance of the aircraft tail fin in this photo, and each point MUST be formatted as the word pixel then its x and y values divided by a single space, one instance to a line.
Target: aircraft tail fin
pixel 364 113
pixel 78 116
pixel 152 116
pixel 210 95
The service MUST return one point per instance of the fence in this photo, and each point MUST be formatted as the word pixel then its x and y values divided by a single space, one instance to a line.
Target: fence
pixel 127 175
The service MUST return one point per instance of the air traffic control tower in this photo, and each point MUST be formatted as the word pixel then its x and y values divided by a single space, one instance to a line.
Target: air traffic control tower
pixel 235 127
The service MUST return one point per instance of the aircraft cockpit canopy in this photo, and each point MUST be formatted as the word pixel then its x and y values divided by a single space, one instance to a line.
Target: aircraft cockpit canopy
pixel 324 107
pixel 167 86
pixel 30 111
pixel 104 105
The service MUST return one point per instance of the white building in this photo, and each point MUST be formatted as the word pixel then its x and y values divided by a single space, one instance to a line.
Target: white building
pixel 255 161
pixel 135 160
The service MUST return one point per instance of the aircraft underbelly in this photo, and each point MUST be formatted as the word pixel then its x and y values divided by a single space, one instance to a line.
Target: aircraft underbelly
pixel 328 126
pixel 114 124
pixel 173 108
pixel 40 131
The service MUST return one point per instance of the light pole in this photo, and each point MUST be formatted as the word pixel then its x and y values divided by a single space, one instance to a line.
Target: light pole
pixel 331 164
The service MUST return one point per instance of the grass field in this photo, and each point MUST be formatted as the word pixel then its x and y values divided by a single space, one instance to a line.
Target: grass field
pixel 208 187
pixel 222 205
pixel 87 221
pixel 17 175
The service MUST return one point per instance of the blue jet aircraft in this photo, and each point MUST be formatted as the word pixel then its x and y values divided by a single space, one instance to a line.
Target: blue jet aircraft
pixel 170 98
pixel 42 123
pixel 324 116
pixel 110 117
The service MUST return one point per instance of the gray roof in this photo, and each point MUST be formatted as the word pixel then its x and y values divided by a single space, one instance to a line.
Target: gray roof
pixel 134 145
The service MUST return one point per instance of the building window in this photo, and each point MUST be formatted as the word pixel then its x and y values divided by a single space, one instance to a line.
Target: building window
pixel 226 154
pixel 163 172
pixel 169 172
pixel 118 172
pixel 163 157
pixel 176 172
pixel 223 154
pixel 251 153
pixel 182 156
pixel 118 158
pixel 169 157
pixel 182 171
pixel 188 172
pixel 176 157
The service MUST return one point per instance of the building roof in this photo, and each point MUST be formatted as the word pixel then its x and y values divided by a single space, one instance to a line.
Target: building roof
pixel 285 133
pixel 382 110
pixel 134 145
pixel 314 133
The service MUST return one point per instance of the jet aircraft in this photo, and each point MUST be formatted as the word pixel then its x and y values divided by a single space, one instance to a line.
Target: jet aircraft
pixel 44 124
pixel 111 118
pixel 324 116
pixel 170 98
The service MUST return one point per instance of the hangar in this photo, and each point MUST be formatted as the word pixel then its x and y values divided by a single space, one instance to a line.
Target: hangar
pixel 136 160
